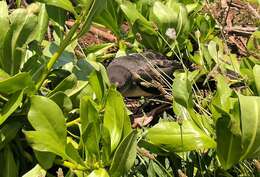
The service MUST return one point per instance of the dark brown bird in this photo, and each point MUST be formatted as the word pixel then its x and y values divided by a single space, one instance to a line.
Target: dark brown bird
pixel 128 72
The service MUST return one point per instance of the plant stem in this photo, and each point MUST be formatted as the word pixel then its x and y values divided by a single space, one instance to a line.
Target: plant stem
pixel 73 122
pixel 57 54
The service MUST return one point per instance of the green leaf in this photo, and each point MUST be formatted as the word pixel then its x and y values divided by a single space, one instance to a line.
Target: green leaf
pixel 23 23
pixel 97 84
pixel 114 116
pixel 91 139
pixel 58 18
pixel 73 154
pixel 45 141
pixel 90 126
pixel 35 66
pixel 7 163
pixel 47 119
pixel 254 42
pixel 63 101
pixel 212 48
pixel 4 21
pixel 182 91
pixel 221 100
pixel 94 7
pixel 64 4
pixel 131 12
pixel 16 83
pixel 12 104
pixel 175 138
pixel 110 17
pixel 66 58
pixel 256 71
pixel 88 112
pixel 228 144
pixel 36 171
pixel 45 159
pixel 66 85
pixel 250 124
pixel 42 25
pixel 165 16
pixel 101 172
pixel 8 132
pixel 124 156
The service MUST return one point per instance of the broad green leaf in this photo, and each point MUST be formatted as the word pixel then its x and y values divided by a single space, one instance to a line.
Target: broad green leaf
pixel 23 23
pixel 12 104
pixel 124 156
pixel 64 4
pixel 228 144
pixel 97 84
pixel 47 119
pixel 221 99
pixel 63 101
pixel 182 91
pixel 256 72
pixel 36 171
pixel 4 21
pixel 88 112
pixel 7 163
pixel 16 83
pixel 91 139
pixel 175 138
pixel 45 141
pixel 114 116
pixel 101 172
pixel 250 124
pixel 8 132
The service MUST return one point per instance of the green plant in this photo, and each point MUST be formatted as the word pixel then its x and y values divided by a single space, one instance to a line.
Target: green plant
pixel 59 110
pixel 66 115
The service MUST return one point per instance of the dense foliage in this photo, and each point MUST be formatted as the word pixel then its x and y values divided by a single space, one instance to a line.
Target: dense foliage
pixel 60 114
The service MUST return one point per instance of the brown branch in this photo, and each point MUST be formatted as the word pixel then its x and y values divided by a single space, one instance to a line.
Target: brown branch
pixel 104 33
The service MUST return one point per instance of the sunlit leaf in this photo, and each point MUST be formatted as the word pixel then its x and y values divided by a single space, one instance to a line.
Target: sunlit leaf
pixel 23 23
pixel 114 116
pixel 250 124
pixel 175 138
pixel 16 83
pixel 47 119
